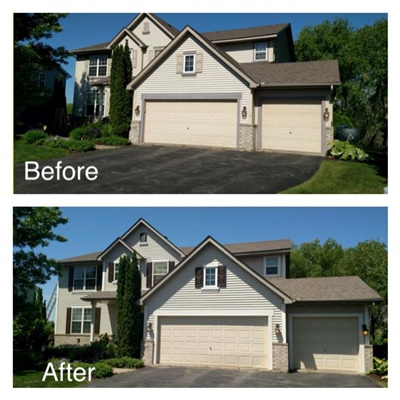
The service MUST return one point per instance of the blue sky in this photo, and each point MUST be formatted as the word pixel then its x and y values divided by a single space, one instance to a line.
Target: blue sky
pixel 91 229
pixel 85 29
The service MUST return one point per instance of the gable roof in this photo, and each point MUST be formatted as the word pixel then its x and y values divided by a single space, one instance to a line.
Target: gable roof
pixel 338 288
pixel 235 35
pixel 308 73
pixel 126 32
pixel 209 240
pixel 98 48
pixel 220 54
pixel 165 26
pixel 116 242
pixel 82 258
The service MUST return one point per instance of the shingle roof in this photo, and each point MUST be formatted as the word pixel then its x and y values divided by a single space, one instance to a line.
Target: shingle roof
pixel 294 73
pixel 243 33
pixel 81 258
pixel 95 47
pixel 166 25
pixel 342 288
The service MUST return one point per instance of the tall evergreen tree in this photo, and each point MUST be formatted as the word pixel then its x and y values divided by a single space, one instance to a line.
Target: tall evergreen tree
pixel 121 98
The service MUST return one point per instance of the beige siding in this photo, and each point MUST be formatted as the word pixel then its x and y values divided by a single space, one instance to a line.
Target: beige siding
pixel 244 52
pixel 243 292
pixel 257 263
pixel 214 78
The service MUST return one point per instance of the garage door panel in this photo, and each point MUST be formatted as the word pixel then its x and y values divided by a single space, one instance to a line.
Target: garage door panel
pixel 229 341
pixel 291 125
pixel 201 123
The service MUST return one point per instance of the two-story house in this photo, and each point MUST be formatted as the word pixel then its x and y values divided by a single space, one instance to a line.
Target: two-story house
pixel 228 305
pixel 236 89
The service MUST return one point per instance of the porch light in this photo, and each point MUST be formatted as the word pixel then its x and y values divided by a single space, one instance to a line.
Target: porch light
pixel 137 111
pixel 365 330
pixel 326 115
pixel 244 112
pixel 277 329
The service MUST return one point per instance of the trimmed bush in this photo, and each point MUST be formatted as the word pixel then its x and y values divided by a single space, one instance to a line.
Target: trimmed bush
pixel 102 370
pixel 77 133
pixel 112 141
pixel 125 362
pixel 34 136
pixel 80 146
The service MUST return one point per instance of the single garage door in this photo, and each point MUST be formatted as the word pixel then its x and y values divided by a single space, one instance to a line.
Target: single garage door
pixel 217 341
pixel 292 125
pixel 325 344
pixel 193 123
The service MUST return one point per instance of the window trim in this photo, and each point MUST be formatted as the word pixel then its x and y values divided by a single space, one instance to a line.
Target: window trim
pixel 98 102
pixel 97 65
pixel 116 266
pixel 209 268
pixel 84 280
pixel 193 71
pixel 153 269
pixel 82 321
pixel 279 266
pixel 261 51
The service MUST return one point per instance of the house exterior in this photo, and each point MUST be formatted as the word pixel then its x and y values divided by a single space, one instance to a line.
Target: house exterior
pixel 219 305
pixel 237 89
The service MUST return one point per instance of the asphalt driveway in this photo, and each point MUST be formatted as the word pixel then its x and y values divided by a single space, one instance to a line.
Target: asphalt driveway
pixel 165 170
pixel 193 377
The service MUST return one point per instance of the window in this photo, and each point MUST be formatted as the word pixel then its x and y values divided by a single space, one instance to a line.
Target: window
pixel 143 237
pixel 210 277
pixel 260 51
pixel 157 51
pixel 272 265
pixel 81 320
pixel 42 80
pixel 94 103
pixel 98 66
pixel 85 278
pixel 116 266
pixel 160 269
pixel 188 63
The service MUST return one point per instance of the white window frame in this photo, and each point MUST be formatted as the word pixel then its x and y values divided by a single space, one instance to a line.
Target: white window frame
pixel 154 269
pixel 94 64
pixel 261 51
pixel 84 289
pixel 82 320
pixel 213 270
pixel 157 51
pixel 115 275
pixel 98 103
pixel 278 265
pixel 193 70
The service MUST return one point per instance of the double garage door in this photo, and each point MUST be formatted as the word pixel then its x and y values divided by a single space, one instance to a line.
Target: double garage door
pixel 292 125
pixel 326 344
pixel 214 341
pixel 192 122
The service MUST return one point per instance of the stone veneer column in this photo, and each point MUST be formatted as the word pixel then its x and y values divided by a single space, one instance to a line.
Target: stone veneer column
pixel 368 357
pixel 247 137
pixel 280 357
pixel 148 350
pixel 134 132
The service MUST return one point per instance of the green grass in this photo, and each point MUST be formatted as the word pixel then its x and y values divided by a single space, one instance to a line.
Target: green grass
pixel 29 152
pixel 33 379
pixel 342 177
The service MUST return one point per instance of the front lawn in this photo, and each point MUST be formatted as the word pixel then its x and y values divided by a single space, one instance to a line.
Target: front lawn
pixel 342 177
pixel 31 152
pixel 33 379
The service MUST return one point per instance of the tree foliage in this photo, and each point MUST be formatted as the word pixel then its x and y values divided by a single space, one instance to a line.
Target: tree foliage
pixel 32 229
pixel 363 64
pixel 129 315
pixel 121 98
pixel 368 260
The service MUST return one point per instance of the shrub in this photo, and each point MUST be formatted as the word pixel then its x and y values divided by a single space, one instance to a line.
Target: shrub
pixel 112 141
pixel 125 362
pixel 381 366
pixel 34 136
pixel 80 146
pixel 346 150
pixel 77 133
pixel 102 370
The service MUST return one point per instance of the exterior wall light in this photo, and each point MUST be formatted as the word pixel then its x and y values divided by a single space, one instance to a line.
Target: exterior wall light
pixel 277 329
pixel 326 115
pixel 244 112
pixel 137 111
pixel 365 330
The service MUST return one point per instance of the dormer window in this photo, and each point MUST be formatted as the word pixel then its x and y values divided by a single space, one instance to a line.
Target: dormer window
pixel 143 237
pixel 272 266
pixel 260 51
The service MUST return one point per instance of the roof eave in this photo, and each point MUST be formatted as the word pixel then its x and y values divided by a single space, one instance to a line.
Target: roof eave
pixel 333 301
pixel 244 39
pixel 304 85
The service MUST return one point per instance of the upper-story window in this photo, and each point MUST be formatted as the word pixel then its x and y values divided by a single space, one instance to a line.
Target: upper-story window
pixel 98 65
pixel 116 266
pixel 189 63
pixel 143 237
pixel 260 51
pixel 272 266
pixel 42 80
pixel 160 269
pixel 210 277
pixel 157 51
pixel 84 278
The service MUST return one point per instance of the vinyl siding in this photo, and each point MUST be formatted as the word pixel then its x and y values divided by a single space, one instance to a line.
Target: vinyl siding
pixel 257 263
pixel 325 309
pixel 214 78
pixel 244 52
pixel 242 292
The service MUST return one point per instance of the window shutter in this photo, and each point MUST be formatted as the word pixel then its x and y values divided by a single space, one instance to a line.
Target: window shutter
pixel 134 58
pixel 97 315
pixel 70 279
pixel 68 321
pixel 99 278
pixel 171 266
pixel 198 280
pixel 199 62
pixel 222 276
pixel 149 274
pixel 110 272
pixel 287 265
pixel 179 63
pixel 146 27
pixel 151 55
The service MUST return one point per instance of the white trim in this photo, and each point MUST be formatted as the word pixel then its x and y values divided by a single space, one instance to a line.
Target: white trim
pixel 359 316
pixel 152 269
pixel 279 266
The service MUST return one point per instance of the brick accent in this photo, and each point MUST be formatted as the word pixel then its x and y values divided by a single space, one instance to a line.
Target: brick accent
pixel 134 132
pixel 280 357
pixel 247 137
pixel 368 357
pixel 147 351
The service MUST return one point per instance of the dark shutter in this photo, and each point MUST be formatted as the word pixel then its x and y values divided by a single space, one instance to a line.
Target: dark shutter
pixel 68 321
pixel 222 276
pixel 288 266
pixel 97 315
pixel 198 281
pixel 149 273
pixel 171 266
pixel 110 272
pixel 70 279
pixel 99 278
